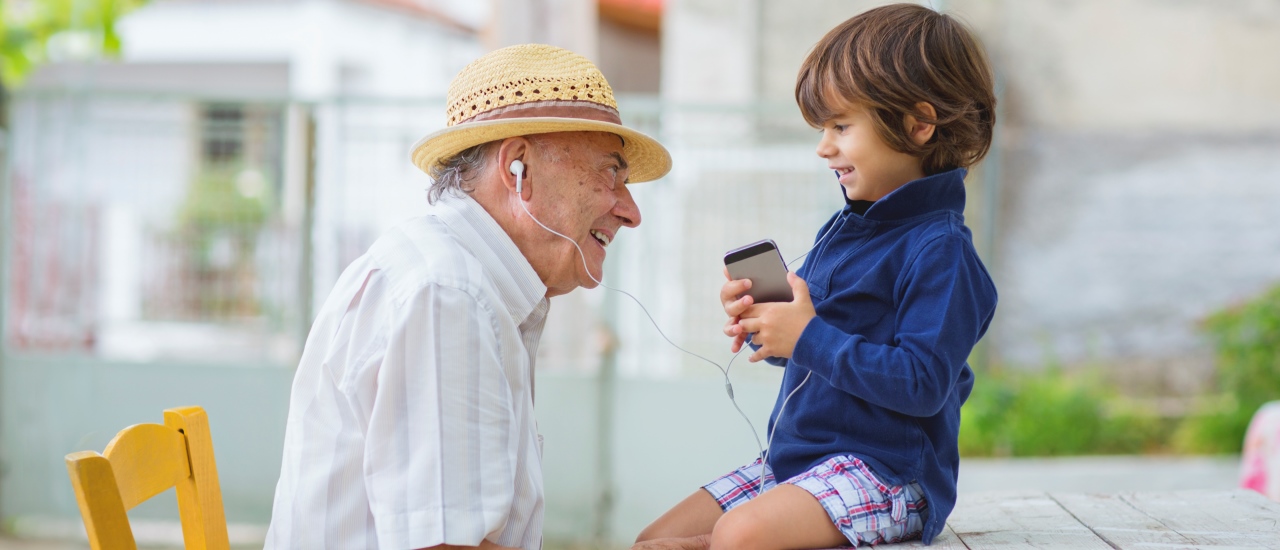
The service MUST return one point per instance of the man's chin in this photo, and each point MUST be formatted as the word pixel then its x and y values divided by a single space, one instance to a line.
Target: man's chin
pixel 593 279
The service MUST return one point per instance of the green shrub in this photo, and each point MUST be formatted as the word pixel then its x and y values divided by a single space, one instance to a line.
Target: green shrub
pixel 1247 371
pixel 1048 412
pixel 1051 413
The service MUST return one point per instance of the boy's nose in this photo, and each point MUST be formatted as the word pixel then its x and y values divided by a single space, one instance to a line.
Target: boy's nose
pixel 825 147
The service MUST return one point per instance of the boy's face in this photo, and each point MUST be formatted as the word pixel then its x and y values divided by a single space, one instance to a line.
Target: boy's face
pixel 867 167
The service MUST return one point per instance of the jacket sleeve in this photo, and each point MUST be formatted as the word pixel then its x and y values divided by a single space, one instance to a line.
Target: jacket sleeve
pixel 945 302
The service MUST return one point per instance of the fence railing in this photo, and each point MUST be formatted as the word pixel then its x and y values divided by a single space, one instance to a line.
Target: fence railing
pixel 182 228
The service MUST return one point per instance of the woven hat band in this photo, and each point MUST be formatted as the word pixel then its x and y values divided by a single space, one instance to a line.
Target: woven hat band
pixel 553 108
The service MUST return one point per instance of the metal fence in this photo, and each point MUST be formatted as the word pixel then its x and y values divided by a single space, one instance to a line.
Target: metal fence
pixel 173 228
pixel 144 228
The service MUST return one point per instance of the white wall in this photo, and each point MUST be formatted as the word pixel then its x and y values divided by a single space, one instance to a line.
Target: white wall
pixel 333 47
pixel 569 24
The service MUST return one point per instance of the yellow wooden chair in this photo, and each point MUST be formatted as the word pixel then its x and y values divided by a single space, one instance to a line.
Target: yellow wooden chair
pixel 141 462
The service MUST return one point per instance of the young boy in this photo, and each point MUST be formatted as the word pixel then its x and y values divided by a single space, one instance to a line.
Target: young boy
pixel 888 305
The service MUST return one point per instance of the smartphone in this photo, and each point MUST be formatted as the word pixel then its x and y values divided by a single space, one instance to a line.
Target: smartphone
pixel 762 263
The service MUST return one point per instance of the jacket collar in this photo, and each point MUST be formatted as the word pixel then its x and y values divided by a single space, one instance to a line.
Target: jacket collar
pixel 942 191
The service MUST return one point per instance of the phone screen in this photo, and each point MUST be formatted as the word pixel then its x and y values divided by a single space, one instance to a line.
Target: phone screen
pixel 762 263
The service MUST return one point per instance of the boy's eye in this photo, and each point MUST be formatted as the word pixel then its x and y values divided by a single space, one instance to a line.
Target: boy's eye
pixel 839 128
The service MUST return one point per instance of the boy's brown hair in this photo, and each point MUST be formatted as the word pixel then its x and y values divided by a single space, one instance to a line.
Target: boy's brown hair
pixel 890 58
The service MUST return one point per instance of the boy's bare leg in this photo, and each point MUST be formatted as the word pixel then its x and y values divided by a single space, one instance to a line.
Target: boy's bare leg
pixel 783 518
pixel 695 515
pixel 700 542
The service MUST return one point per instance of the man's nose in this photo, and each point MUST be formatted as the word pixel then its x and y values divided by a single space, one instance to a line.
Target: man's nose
pixel 626 208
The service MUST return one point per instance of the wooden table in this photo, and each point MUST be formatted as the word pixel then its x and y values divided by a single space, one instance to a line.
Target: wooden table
pixel 1147 520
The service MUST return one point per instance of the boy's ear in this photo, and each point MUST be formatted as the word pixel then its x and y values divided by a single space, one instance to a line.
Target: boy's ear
pixel 918 131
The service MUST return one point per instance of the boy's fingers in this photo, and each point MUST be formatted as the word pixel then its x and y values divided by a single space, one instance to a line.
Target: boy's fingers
pixel 737 307
pixel 799 288
pixel 731 328
pixel 755 311
pixel 733 289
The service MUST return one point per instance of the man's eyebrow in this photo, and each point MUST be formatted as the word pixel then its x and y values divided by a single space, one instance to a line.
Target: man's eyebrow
pixel 622 163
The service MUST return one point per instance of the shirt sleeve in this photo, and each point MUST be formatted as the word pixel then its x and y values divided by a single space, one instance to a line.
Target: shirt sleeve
pixel 946 301
pixel 440 457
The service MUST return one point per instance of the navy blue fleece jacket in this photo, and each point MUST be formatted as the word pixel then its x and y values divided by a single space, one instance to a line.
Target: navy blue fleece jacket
pixel 902 299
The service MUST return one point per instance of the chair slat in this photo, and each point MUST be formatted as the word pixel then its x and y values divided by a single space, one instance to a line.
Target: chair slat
pixel 104 514
pixel 147 459
pixel 204 524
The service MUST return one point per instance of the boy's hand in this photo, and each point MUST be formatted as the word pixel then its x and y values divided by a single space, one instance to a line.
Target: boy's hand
pixel 777 326
pixel 734 306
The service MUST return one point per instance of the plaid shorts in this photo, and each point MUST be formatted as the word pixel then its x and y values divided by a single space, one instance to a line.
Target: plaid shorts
pixel 861 507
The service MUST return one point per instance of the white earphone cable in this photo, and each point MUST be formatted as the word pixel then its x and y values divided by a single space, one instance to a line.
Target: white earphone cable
pixel 723 370
pixel 517 168
pixel 764 455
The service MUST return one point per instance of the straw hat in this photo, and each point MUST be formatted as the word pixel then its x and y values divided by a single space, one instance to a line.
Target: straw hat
pixel 535 89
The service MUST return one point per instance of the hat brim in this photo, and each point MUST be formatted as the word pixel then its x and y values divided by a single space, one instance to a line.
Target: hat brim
pixel 647 159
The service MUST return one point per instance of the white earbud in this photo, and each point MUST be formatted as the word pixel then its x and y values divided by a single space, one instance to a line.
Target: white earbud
pixel 517 168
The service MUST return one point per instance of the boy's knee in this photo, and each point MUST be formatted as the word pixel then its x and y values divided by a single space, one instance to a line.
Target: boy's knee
pixel 653 531
pixel 659 530
pixel 738 530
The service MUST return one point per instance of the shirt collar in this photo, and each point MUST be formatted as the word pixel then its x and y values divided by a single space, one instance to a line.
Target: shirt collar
pixel 521 289
pixel 941 191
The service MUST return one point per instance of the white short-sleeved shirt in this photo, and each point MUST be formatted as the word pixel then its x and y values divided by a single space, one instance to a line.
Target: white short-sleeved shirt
pixel 411 418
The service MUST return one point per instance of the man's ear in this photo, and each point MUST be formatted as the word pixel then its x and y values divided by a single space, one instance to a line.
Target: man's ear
pixel 512 149
pixel 918 131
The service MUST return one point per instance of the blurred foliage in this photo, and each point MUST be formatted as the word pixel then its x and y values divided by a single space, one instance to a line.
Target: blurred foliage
pixel 1247 340
pixel 219 224
pixel 28 27
pixel 1051 413
pixel 226 198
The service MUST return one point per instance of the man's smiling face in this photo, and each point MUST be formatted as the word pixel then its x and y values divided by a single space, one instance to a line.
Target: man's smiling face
pixel 580 190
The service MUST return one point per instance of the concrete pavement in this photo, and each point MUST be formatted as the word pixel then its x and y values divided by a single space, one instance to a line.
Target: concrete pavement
pixel 1094 474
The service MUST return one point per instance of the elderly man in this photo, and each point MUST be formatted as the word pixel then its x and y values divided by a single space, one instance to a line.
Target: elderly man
pixel 411 421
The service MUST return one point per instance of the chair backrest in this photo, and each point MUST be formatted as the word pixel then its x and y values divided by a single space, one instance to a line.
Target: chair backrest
pixel 141 462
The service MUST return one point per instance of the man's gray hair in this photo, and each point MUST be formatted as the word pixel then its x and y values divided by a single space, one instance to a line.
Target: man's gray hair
pixel 456 173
